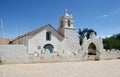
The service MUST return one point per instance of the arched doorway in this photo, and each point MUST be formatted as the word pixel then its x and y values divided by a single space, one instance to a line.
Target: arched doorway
pixel 92 49
pixel 49 47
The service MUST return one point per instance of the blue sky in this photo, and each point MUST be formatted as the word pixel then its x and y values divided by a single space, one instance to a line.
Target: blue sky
pixel 20 16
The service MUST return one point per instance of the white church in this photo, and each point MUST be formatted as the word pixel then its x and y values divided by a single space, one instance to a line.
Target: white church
pixel 64 39
pixel 47 44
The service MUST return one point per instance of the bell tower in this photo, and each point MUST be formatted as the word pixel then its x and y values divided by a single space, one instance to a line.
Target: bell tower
pixel 66 28
pixel 66 21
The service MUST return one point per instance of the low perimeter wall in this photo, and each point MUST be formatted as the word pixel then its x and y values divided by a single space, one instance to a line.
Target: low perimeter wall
pixel 19 54
pixel 13 53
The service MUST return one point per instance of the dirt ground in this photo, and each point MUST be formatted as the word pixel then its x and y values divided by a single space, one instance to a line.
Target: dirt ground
pixel 104 68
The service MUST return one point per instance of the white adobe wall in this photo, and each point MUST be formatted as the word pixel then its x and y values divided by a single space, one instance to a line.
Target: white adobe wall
pixel 14 54
pixel 40 40
pixel 18 54
pixel 71 41
pixel 96 41
pixel 110 54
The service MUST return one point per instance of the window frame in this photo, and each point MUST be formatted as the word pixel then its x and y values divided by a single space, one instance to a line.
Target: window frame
pixel 48 35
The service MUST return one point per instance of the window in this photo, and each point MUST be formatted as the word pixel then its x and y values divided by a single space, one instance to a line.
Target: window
pixel 48 35
pixel 69 23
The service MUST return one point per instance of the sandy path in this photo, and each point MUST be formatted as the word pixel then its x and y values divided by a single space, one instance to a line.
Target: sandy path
pixel 110 68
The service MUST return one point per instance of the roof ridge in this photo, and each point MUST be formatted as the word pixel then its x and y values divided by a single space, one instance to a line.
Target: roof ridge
pixel 32 32
pixel 38 30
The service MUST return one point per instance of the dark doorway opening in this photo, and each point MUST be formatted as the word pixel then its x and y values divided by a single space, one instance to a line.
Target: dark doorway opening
pixel 49 47
pixel 92 49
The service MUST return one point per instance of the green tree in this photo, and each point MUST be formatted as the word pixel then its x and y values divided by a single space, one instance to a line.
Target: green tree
pixel 112 42
pixel 85 32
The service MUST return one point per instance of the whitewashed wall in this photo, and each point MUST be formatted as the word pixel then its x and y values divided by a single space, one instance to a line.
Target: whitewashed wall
pixel 14 54
pixel 71 41
pixel 97 41
pixel 40 40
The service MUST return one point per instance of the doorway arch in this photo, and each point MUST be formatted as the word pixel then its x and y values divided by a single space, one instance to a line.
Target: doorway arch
pixel 92 49
pixel 49 47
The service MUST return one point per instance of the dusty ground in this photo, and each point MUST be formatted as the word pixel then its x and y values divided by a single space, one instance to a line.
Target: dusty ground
pixel 108 68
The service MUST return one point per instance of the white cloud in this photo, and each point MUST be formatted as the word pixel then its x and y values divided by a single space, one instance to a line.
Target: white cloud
pixel 105 15
pixel 104 36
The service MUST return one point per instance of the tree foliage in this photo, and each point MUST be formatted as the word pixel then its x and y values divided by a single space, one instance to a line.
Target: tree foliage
pixel 112 42
pixel 85 32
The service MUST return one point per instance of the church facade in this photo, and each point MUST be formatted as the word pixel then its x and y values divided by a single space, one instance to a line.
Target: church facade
pixel 47 38
pixel 47 44
pixel 64 39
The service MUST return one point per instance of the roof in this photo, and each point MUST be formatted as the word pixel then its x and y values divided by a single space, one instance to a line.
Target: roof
pixel 5 40
pixel 32 33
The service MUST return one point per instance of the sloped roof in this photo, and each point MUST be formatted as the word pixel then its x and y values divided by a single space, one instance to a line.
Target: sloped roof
pixel 5 40
pixel 32 33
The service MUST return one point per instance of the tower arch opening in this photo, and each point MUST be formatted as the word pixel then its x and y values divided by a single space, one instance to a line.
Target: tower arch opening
pixel 69 23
